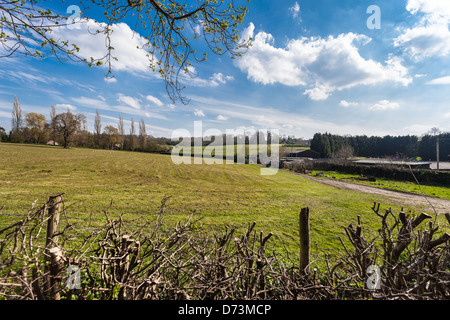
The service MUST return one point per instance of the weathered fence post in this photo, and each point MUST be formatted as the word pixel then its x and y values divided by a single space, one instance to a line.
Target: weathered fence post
pixel 53 254
pixel 304 240
pixel 54 212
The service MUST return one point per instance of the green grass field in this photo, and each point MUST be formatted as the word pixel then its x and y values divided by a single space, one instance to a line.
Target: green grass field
pixel 220 194
pixel 223 151
pixel 436 190
pixel 227 150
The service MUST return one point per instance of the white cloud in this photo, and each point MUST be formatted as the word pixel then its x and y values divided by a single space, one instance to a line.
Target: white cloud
pixel 447 115
pixel 319 93
pixel 154 100
pixel 424 42
pixel 130 101
pixel 221 118
pixel 295 10
pixel 92 103
pixel 430 36
pixel 322 64
pixel 126 108
pixel 30 77
pixel 443 80
pixel 270 118
pixel 385 105
pixel 199 113
pixel 437 9
pixel 220 78
pixel 64 107
pixel 214 81
pixel 346 104
pixel 4 114
pixel 417 129
pixel 110 80
pixel 123 39
pixel 171 106
pixel 198 30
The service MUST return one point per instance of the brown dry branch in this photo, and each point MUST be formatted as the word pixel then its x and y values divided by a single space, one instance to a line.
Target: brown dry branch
pixel 186 261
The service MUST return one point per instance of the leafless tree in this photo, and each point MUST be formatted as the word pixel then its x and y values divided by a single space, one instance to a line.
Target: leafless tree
pixel 121 129
pixel 97 127
pixel 132 135
pixel 17 118
pixel 142 134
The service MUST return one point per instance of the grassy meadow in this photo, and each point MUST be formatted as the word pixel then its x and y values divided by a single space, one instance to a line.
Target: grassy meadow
pixel 221 195
pixel 430 190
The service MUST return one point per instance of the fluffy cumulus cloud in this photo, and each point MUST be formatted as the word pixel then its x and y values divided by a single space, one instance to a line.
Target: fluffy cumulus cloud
pixel 346 104
pixel 219 78
pixel 431 35
pixel 322 65
pixel 128 50
pixel 123 39
pixel 385 105
pixel 435 9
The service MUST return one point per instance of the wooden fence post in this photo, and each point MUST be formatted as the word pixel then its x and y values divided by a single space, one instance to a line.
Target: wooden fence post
pixel 51 256
pixel 54 212
pixel 304 240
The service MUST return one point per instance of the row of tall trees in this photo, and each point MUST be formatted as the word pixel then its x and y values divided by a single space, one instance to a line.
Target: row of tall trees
pixel 68 129
pixel 408 146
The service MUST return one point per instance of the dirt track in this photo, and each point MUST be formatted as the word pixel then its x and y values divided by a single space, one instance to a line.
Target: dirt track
pixel 440 205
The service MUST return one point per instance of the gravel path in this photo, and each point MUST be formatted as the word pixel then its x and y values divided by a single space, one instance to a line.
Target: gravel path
pixel 440 205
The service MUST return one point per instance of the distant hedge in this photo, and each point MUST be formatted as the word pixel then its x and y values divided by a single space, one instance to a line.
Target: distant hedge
pixel 388 172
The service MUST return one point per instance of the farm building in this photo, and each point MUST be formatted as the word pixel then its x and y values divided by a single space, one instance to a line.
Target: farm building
pixel 52 143
pixel 304 154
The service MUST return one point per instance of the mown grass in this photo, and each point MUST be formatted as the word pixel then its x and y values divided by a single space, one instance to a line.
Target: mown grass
pixel 232 150
pixel 430 190
pixel 223 150
pixel 221 195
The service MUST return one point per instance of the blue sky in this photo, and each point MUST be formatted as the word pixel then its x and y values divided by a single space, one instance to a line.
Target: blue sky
pixel 314 66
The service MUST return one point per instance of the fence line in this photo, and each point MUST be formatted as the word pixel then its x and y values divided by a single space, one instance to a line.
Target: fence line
pixel 185 263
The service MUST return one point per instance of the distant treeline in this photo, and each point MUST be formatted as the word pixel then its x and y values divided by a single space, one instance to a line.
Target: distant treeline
pixel 67 129
pixel 70 129
pixel 408 146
